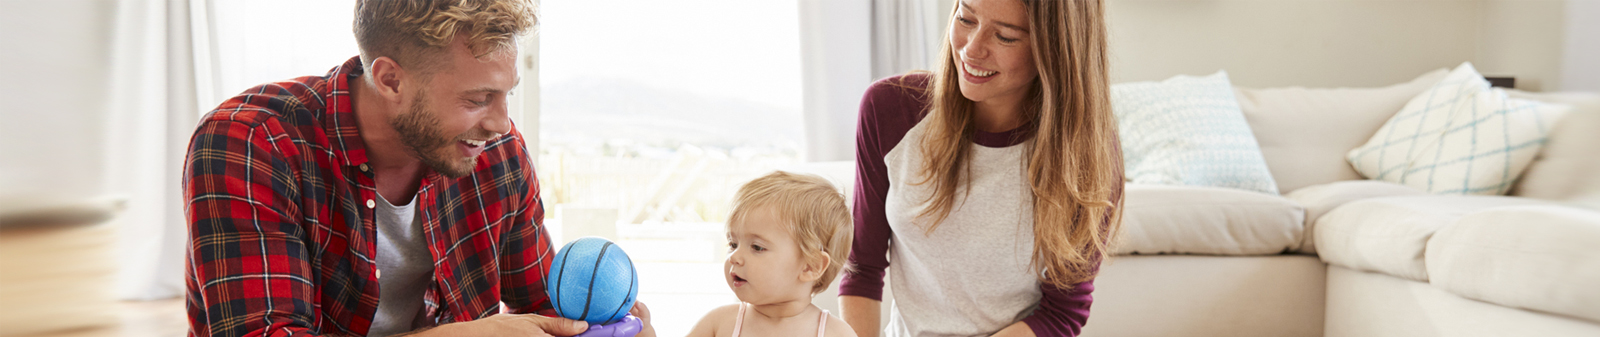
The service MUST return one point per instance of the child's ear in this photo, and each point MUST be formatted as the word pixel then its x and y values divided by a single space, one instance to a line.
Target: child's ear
pixel 815 267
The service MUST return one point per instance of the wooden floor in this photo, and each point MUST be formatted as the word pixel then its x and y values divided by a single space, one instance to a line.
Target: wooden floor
pixel 163 318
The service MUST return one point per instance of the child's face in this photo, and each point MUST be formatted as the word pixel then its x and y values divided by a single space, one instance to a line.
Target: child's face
pixel 764 264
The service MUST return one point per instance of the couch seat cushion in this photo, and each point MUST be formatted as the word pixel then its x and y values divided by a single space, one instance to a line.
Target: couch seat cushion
pixel 1168 219
pixel 1319 199
pixel 1544 258
pixel 1389 234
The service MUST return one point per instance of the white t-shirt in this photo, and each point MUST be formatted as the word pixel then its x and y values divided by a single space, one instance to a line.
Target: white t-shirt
pixel 971 276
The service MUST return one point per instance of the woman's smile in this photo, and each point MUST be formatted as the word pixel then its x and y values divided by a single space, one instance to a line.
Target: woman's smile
pixel 976 75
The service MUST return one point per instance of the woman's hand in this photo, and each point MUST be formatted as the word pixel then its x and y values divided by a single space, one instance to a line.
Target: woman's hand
pixel 862 313
pixel 1018 329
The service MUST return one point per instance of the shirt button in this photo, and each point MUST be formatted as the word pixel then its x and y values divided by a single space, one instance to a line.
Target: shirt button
pixel 378 273
pixel 371 204
pixel 364 168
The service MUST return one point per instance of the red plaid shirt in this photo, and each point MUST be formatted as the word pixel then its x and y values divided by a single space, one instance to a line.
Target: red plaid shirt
pixel 281 229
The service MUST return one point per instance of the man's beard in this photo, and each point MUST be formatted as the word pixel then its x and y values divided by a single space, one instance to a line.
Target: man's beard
pixel 419 131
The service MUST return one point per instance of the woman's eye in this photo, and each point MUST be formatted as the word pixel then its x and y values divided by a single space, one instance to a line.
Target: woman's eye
pixel 1004 39
pixel 964 21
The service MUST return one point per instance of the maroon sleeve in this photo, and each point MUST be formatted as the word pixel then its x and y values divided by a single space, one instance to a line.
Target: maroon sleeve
pixel 1064 312
pixel 889 109
pixel 1061 312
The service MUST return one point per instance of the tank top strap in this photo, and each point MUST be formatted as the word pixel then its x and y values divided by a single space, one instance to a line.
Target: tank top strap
pixel 738 321
pixel 822 323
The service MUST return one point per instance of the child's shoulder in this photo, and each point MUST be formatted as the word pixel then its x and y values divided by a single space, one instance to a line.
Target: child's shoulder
pixel 838 328
pixel 726 311
pixel 717 322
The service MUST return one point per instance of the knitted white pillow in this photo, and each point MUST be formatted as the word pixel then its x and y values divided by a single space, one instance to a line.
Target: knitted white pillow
pixel 1458 137
pixel 1188 131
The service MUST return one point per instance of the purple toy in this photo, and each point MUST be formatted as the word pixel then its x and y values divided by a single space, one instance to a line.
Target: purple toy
pixel 627 327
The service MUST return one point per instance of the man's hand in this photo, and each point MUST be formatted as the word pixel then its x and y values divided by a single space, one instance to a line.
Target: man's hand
pixel 510 325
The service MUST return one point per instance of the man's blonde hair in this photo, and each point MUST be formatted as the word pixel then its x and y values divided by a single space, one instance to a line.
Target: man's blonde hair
pixel 417 33
pixel 813 211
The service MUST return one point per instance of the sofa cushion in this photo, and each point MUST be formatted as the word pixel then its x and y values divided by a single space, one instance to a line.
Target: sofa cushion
pixel 1389 234
pixel 1304 133
pixel 1188 131
pixel 1168 219
pixel 1459 137
pixel 1564 169
pixel 1532 257
pixel 1319 199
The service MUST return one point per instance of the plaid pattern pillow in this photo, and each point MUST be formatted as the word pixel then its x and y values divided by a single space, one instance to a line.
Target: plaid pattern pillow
pixel 1459 137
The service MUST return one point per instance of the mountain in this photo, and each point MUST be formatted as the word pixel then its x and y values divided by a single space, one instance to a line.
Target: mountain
pixel 593 110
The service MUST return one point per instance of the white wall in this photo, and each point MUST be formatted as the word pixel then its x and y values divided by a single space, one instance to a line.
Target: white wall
pixel 53 99
pixel 1279 43
pixel 1580 67
pixel 1323 43
pixel 1524 39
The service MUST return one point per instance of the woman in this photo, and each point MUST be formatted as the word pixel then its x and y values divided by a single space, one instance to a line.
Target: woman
pixel 993 183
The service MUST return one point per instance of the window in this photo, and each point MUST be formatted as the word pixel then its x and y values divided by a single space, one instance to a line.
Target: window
pixel 652 114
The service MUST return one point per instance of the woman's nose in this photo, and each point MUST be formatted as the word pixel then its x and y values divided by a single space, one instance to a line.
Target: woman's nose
pixel 977 46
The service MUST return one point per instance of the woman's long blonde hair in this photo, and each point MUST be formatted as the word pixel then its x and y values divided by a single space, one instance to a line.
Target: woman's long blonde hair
pixel 1074 163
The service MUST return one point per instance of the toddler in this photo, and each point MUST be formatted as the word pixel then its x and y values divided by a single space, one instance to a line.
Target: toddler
pixel 788 236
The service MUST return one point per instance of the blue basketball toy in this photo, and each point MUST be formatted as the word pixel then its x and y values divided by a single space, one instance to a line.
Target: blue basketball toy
pixel 592 280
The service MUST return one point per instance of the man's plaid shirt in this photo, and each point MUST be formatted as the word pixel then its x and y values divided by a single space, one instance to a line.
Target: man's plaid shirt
pixel 281 229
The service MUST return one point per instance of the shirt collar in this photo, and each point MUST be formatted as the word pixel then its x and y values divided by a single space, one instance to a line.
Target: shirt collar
pixel 340 120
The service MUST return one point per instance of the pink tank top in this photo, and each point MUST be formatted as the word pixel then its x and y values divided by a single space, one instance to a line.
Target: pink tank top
pixel 738 323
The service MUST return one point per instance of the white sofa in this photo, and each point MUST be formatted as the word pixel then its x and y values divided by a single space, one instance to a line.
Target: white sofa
pixel 1339 256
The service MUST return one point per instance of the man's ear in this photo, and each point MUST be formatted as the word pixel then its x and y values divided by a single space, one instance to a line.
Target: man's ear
pixel 814 268
pixel 388 78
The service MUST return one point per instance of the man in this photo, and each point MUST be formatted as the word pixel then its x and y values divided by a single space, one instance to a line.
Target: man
pixel 391 195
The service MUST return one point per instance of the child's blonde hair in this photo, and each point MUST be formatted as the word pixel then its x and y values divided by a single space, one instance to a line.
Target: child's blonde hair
pixel 811 208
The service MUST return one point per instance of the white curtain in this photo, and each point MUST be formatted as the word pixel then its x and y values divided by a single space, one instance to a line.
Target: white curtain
pixel 173 60
pixel 847 44
pixel 902 33
pixel 835 69
pixel 160 81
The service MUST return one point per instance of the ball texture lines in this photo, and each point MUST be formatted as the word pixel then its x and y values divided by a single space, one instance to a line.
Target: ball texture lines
pixel 592 280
